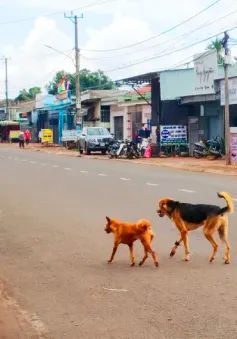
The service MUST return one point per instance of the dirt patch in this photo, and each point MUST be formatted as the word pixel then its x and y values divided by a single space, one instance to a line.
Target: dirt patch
pixel 14 323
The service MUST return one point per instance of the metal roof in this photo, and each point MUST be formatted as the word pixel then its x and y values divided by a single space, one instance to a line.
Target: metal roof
pixel 147 77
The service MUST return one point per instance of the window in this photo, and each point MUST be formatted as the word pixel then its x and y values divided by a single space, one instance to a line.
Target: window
pixel 105 114
pixel 97 131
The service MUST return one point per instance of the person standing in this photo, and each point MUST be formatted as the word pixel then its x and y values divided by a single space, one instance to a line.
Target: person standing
pixel 27 137
pixel 21 140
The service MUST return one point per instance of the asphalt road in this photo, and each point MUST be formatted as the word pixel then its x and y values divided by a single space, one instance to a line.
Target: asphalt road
pixel 53 250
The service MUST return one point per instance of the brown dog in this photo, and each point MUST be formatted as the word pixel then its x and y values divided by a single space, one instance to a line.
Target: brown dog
pixel 188 217
pixel 125 233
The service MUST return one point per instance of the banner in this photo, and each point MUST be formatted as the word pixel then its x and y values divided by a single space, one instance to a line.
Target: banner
pixel 206 70
pixel 173 135
pixel 233 145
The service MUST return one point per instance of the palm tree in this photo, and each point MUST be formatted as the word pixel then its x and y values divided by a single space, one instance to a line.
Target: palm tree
pixel 217 45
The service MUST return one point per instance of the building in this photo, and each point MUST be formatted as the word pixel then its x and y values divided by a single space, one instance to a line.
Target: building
pixel 184 103
pixel 96 106
pixel 13 110
pixel 132 111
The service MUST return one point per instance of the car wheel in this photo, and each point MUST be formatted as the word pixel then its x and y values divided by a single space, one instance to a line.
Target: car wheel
pixel 103 152
pixel 87 150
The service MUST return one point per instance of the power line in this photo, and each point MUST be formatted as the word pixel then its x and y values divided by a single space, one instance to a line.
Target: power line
pixel 157 35
pixel 95 3
pixel 168 41
pixel 166 54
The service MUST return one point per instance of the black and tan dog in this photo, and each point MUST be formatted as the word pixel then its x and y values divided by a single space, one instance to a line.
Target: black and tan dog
pixel 189 217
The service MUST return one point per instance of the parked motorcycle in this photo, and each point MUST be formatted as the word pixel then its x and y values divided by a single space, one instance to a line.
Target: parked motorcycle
pixel 124 149
pixel 213 147
pixel 114 148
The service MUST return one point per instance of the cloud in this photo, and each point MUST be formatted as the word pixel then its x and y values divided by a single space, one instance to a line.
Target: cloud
pixel 127 22
pixel 33 64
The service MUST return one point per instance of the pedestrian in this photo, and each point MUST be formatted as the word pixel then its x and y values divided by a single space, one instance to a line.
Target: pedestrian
pixel 39 136
pixel 79 148
pixel 27 136
pixel 21 140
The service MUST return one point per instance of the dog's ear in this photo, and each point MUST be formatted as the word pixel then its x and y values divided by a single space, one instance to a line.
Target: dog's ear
pixel 108 219
pixel 171 204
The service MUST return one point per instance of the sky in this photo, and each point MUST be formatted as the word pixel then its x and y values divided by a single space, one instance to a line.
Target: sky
pixel 112 36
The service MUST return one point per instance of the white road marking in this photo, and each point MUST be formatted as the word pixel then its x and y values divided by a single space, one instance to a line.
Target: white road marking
pixel 102 175
pixel 83 171
pixel 67 169
pixel 55 166
pixel 33 162
pixel 187 191
pixel 15 159
pixel 125 179
pixel 43 164
pixel 2 156
pixel 115 289
pixel 9 157
pixel 235 200
pixel 23 160
pixel 150 184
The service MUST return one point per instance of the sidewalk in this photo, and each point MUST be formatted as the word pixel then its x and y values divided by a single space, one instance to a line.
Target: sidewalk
pixel 188 164
pixel 12 324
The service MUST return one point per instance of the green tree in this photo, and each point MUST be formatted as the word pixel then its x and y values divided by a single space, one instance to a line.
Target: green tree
pixel 88 80
pixel 216 44
pixel 28 95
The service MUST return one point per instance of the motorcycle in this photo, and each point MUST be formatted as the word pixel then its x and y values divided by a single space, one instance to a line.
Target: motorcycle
pixel 124 149
pixel 133 151
pixel 114 149
pixel 204 148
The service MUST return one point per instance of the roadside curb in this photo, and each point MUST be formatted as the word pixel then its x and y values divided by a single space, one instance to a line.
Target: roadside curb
pixel 190 168
pixel 181 167
pixel 15 323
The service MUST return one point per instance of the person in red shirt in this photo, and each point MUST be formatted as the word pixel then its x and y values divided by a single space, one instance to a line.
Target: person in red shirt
pixel 27 136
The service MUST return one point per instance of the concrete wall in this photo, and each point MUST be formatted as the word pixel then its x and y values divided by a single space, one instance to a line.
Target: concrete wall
pixel 180 82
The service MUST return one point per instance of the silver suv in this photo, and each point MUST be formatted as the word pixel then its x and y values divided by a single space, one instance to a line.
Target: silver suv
pixel 94 139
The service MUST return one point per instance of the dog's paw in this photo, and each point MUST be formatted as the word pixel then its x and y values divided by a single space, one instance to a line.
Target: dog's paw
pixel 211 259
pixel 172 253
pixel 109 261
pixel 185 259
pixel 156 264
pixel 133 264
pixel 140 263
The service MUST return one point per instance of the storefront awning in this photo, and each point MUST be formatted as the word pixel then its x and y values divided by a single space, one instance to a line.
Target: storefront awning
pixel 9 123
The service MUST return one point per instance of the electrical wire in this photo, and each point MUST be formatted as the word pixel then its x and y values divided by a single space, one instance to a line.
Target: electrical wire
pixel 157 35
pixel 166 54
pixel 168 41
pixel 95 3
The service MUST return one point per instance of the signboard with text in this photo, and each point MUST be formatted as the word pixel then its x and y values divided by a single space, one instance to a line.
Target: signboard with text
pixel 173 134
pixel 46 136
pixel 206 69
pixel 232 85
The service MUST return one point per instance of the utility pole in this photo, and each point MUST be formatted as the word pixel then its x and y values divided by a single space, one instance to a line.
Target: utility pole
pixel 74 19
pixel 227 114
pixel 6 88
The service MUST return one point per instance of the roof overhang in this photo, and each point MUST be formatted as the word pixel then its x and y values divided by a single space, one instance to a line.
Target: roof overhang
pixel 198 98
pixel 139 79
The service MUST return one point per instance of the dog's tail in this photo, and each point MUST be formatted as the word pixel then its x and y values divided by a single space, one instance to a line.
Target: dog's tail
pixel 143 225
pixel 230 206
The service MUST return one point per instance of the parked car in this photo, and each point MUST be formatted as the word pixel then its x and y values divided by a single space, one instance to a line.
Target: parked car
pixel 93 139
